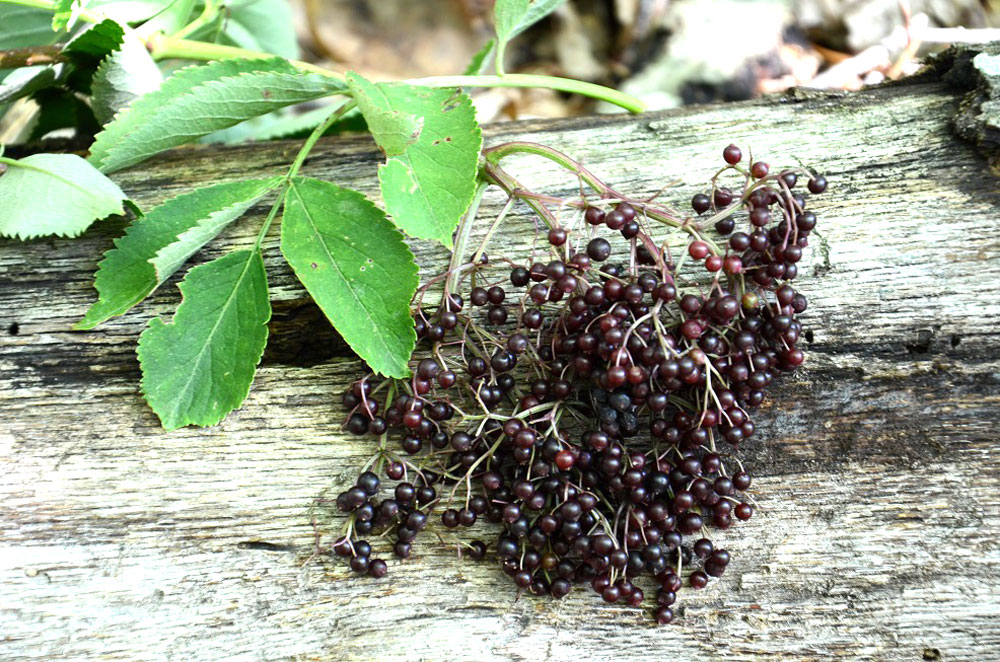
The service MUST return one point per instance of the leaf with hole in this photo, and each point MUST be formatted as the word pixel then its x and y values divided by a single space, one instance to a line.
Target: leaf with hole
pixel 156 246
pixel 357 268
pixel 199 367
pixel 67 194
pixel 393 130
pixel 196 101
pixel 429 185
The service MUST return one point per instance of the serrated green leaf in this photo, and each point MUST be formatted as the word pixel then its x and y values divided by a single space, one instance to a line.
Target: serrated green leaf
pixel 479 62
pixel 238 198
pixel 512 17
pixel 122 77
pixel 196 101
pixel 429 186
pixel 262 25
pixel 393 130
pixel 199 367
pixel 95 43
pixel 282 125
pixel 357 268
pixel 28 80
pixel 54 194
pixel 155 246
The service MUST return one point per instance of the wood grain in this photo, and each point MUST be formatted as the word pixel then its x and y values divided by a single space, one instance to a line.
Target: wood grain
pixel 878 470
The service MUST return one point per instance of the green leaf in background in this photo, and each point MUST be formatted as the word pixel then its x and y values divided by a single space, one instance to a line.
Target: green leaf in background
pixel 122 77
pixel 512 17
pixel 63 14
pixel 429 186
pixel 393 130
pixel 175 16
pixel 480 61
pixel 21 27
pixel 54 194
pixel 122 11
pixel 196 101
pixel 155 246
pixel 199 367
pixel 262 25
pixel 25 26
pixel 28 80
pixel 132 11
pixel 357 268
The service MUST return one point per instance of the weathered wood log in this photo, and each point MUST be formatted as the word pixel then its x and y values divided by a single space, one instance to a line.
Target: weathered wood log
pixel 878 472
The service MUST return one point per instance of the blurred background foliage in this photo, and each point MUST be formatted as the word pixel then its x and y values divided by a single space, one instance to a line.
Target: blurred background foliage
pixel 668 52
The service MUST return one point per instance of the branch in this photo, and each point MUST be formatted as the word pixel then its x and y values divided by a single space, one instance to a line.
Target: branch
pixel 29 57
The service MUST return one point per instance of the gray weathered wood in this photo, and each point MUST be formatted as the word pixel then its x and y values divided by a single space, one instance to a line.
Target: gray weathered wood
pixel 878 467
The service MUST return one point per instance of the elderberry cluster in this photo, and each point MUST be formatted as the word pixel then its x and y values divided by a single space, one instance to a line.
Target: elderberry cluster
pixel 589 405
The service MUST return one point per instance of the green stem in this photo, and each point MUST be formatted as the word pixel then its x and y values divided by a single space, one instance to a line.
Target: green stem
pixel 496 175
pixel 462 239
pixel 296 165
pixel 496 154
pixel 278 202
pixel 591 90
pixel 207 15
pixel 492 168
pixel 163 46
pixel 316 135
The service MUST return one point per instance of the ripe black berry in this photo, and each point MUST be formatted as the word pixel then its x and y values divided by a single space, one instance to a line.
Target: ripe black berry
pixel 662 383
